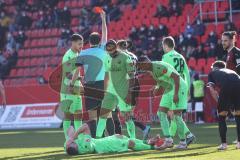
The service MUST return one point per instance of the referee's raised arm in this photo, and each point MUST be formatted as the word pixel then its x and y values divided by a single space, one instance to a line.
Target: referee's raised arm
pixel 104 28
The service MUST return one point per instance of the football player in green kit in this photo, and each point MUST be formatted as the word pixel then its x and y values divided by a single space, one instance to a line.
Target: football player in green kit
pixel 174 86
pixel 119 72
pixel 70 99
pixel 80 142
pixel 176 60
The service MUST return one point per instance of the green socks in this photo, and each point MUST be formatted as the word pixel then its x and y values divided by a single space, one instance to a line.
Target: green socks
pixel 131 128
pixel 140 146
pixel 66 125
pixel 180 127
pixel 77 124
pixel 164 123
pixel 173 127
pixel 101 127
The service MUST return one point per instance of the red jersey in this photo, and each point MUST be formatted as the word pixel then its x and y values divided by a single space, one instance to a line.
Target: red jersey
pixel 233 58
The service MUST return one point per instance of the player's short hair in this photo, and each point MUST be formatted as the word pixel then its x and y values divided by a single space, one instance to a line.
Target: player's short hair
pixel 122 43
pixel 169 41
pixel 94 38
pixel 72 151
pixel 75 37
pixel 219 64
pixel 230 34
pixel 111 45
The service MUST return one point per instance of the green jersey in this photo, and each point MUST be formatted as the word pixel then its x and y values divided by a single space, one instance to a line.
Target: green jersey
pixel 178 62
pixel 161 73
pixel 118 69
pixel 68 69
pixel 85 144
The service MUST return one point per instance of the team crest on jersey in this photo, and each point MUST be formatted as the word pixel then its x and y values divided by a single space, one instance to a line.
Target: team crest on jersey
pixel 88 140
pixel 164 71
pixel 119 62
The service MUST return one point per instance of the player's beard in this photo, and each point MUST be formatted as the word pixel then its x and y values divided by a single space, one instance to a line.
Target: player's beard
pixel 114 54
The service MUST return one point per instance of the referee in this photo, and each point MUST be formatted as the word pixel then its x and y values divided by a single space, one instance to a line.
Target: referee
pixel 92 59
pixel 224 85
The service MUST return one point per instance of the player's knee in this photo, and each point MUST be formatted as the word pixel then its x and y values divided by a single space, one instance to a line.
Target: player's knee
pixel 177 112
pixel 162 109
pixel 104 113
pixel 68 116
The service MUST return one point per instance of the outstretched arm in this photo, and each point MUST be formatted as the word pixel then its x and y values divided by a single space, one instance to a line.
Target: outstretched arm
pixel 104 28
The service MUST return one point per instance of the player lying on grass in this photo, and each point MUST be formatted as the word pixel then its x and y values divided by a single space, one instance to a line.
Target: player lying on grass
pixel 175 89
pixel 224 85
pixel 118 81
pixel 81 142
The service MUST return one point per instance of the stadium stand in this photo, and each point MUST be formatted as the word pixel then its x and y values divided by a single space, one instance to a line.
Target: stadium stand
pixel 39 53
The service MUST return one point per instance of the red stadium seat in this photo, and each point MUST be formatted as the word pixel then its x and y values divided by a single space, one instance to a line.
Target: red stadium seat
pixel 192 62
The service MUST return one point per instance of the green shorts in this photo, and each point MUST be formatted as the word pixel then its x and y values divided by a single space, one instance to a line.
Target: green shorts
pixel 111 144
pixel 111 101
pixel 70 103
pixel 167 99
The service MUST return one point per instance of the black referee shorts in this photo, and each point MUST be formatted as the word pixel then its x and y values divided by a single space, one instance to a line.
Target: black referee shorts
pixel 93 93
pixel 229 98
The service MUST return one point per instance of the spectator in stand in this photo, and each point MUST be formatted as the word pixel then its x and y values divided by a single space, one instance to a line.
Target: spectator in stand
pixel 188 30
pixel 199 28
pixel 66 16
pixel 189 51
pixel 24 22
pixel 151 31
pixel 20 39
pixel 212 50
pixel 12 58
pixel 190 41
pixel 181 41
pixel 200 52
pixel 161 31
pixel 161 11
pixel 229 26
pixel 2 35
pixel 10 41
pixel 212 38
pixel 40 22
pixel 63 41
pixel 175 9
pixel 2 4
pixel 4 19
pixel 133 35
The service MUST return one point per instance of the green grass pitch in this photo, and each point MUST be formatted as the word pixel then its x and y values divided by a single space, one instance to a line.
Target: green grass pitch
pixel 48 144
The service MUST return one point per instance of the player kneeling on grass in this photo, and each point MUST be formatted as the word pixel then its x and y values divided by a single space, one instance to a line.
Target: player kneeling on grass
pixel 118 82
pixel 71 102
pixel 224 85
pixel 80 142
pixel 175 89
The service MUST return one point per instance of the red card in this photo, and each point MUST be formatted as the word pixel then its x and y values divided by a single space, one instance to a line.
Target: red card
pixel 97 10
